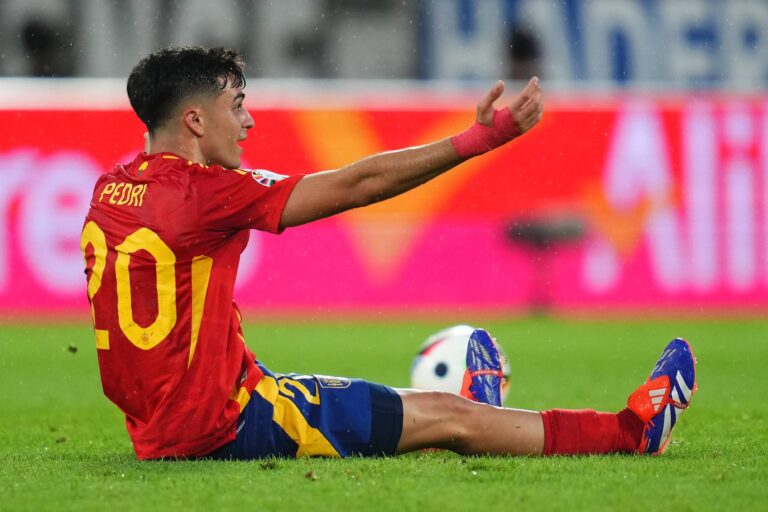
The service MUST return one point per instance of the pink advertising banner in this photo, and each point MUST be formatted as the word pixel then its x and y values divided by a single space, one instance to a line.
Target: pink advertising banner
pixel 635 203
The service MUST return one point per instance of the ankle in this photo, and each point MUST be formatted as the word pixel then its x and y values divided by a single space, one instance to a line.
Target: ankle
pixel 631 427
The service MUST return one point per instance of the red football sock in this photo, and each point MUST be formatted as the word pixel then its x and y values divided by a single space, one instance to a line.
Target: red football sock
pixel 585 431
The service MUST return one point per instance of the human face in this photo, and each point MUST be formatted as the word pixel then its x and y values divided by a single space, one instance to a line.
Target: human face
pixel 226 124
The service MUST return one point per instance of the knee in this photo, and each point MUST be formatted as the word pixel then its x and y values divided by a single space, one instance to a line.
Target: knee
pixel 454 416
pixel 453 404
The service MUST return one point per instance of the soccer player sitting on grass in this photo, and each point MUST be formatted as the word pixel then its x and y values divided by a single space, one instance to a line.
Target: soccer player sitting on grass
pixel 162 242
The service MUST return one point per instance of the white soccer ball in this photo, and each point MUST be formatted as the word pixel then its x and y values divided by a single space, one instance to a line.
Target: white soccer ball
pixel 442 360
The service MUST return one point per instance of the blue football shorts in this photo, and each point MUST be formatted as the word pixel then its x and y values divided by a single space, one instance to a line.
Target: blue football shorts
pixel 312 415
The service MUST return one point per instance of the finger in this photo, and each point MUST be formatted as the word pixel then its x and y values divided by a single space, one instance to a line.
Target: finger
pixel 535 97
pixel 526 94
pixel 528 118
pixel 536 112
pixel 486 104
pixel 531 104
pixel 533 119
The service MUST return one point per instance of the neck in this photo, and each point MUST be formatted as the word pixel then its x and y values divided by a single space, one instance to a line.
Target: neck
pixel 185 147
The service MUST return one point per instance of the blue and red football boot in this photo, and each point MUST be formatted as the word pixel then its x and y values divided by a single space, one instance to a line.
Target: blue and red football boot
pixel 484 378
pixel 664 396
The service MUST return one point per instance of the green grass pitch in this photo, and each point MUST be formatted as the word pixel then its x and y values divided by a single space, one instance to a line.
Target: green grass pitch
pixel 63 446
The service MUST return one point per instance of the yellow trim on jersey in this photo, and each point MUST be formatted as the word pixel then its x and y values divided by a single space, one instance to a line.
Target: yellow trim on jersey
pixel 143 166
pixel 268 389
pixel 285 413
pixel 102 339
pixel 242 396
pixel 170 157
pixel 240 171
pixel 201 274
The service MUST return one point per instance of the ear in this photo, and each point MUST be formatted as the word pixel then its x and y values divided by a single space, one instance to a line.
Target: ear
pixel 193 120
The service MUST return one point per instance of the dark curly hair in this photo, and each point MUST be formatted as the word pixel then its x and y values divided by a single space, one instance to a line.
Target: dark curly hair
pixel 161 80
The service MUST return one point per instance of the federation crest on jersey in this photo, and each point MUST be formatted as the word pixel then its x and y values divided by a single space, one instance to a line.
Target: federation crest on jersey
pixel 266 178
pixel 333 382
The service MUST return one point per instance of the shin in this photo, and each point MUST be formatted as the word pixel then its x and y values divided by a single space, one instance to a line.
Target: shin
pixel 444 420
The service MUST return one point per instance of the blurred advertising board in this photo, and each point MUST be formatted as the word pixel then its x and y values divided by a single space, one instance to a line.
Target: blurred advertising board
pixel 676 43
pixel 635 203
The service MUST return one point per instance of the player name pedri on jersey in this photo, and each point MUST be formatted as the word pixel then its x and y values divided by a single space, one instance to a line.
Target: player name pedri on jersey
pixel 123 194
pixel 127 194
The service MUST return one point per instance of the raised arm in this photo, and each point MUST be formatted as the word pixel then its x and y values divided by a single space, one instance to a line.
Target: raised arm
pixel 388 174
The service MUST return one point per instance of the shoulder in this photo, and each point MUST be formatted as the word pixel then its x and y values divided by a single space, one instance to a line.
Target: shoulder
pixel 264 177
pixel 243 177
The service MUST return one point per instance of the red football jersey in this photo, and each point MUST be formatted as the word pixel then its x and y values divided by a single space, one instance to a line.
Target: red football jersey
pixel 162 243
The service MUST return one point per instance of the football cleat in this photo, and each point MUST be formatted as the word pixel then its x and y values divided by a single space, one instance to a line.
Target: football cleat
pixel 483 378
pixel 664 396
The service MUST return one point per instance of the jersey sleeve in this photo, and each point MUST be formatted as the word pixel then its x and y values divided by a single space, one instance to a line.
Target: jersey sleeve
pixel 235 199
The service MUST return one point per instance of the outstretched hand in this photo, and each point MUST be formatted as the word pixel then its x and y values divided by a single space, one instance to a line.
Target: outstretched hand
pixel 495 127
pixel 526 108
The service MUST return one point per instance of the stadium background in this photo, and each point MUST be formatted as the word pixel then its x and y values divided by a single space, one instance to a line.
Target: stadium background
pixel 644 187
pixel 642 197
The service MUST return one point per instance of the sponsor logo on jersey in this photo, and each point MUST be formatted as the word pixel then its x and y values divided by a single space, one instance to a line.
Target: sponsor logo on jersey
pixel 266 178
